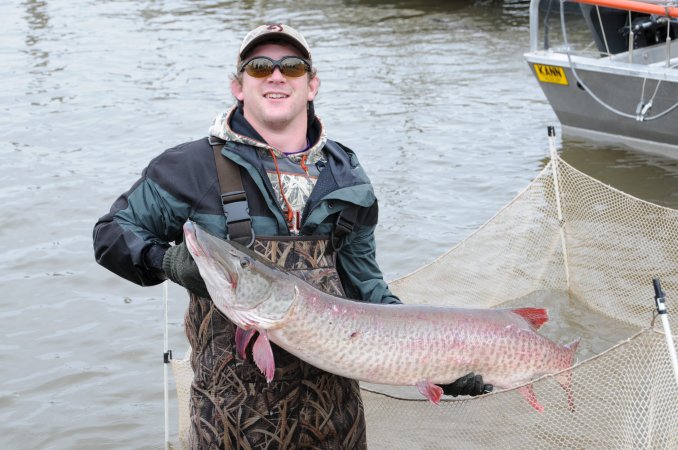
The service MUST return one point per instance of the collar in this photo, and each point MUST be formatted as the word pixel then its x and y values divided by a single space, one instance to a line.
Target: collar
pixel 232 126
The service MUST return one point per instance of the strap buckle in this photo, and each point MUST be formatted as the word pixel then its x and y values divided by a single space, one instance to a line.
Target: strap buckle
pixel 237 213
pixel 342 227
pixel 235 206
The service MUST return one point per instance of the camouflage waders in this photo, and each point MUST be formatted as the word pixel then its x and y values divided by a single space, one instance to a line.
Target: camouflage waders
pixel 232 405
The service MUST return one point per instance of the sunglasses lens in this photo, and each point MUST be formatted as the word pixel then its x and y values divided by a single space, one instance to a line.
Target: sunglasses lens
pixel 263 67
pixel 259 68
pixel 293 67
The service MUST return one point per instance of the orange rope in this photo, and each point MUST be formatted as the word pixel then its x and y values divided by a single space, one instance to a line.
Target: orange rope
pixel 303 163
pixel 290 210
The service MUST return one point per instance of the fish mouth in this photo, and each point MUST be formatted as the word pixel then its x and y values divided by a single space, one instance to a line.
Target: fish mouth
pixel 191 239
pixel 200 242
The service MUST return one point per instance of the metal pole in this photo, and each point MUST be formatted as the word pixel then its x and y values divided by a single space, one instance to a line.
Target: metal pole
pixel 167 354
pixel 534 25
pixel 659 299
pixel 556 187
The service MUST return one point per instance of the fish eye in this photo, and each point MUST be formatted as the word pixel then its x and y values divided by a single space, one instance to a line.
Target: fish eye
pixel 245 262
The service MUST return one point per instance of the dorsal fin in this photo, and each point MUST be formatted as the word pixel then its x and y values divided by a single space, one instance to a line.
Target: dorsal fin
pixel 535 316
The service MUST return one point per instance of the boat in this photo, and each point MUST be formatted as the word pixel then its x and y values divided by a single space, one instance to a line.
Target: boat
pixel 609 69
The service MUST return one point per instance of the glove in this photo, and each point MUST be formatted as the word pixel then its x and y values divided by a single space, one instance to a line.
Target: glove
pixel 179 266
pixel 470 384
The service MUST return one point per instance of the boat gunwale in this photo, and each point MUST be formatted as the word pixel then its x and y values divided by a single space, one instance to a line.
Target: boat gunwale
pixel 605 65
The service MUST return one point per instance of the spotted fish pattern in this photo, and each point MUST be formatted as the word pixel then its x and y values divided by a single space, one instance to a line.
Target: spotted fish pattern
pixel 416 345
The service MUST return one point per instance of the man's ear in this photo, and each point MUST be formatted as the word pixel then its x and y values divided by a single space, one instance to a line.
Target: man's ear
pixel 313 87
pixel 236 89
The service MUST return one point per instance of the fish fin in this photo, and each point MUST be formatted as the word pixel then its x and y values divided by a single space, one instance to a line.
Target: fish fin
pixel 564 379
pixel 573 347
pixel 242 340
pixel 263 356
pixel 537 317
pixel 431 391
pixel 528 394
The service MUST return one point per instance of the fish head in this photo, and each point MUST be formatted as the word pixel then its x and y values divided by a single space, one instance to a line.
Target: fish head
pixel 246 288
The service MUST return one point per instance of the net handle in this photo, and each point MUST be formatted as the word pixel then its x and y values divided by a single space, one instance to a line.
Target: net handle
pixel 659 299
pixel 556 187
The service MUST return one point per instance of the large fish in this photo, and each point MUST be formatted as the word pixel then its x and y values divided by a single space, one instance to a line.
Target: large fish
pixel 418 345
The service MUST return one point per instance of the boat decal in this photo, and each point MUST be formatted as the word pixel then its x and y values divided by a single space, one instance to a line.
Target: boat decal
pixel 550 74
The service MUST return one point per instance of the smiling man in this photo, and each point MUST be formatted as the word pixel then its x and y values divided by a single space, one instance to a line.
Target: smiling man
pixel 267 176
pixel 275 104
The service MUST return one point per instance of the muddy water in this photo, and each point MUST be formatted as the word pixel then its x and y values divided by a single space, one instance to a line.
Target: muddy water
pixel 434 97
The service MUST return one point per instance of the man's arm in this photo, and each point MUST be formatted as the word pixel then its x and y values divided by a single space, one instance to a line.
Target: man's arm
pixel 132 238
pixel 360 274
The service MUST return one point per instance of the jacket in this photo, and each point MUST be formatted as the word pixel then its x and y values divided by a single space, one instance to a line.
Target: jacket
pixel 181 184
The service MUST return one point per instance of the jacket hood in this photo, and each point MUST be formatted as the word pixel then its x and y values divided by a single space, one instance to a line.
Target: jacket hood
pixel 232 126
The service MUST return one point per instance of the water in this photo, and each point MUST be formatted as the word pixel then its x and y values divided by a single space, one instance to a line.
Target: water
pixel 435 98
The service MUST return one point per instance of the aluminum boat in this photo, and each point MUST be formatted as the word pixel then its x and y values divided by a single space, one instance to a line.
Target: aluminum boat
pixel 609 69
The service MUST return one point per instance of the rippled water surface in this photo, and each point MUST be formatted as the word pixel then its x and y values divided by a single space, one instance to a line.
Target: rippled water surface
pixel 434 96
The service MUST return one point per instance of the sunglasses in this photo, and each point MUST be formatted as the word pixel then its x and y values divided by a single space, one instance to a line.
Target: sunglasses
pixel 263 66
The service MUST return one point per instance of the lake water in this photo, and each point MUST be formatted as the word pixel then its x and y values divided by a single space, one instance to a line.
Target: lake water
pixel 434 96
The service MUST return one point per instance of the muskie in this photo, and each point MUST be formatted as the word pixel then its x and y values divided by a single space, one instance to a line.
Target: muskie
pixel 418 345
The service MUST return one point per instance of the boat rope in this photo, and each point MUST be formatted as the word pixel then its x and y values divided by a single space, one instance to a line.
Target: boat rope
pixel 631 39
pixel 602 31
pixel 668 40
pixel 642 108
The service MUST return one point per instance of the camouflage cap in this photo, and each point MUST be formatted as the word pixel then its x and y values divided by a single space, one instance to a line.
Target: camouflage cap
pixel 274 31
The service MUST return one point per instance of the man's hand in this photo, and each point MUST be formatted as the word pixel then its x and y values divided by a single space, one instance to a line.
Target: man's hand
pixel 179 266
pixel 470 384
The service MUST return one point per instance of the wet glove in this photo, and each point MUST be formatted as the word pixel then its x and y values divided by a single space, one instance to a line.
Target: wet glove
pixel 470 384
pixel 179 266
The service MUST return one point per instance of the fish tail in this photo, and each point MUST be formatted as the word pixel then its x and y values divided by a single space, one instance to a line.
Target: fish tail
pixel 528 394
pixel 565 378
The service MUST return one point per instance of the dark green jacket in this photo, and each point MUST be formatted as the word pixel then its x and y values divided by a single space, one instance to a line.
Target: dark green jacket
pixel 182 184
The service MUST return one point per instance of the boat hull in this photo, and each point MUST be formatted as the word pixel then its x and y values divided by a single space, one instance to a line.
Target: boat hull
pixel 620 86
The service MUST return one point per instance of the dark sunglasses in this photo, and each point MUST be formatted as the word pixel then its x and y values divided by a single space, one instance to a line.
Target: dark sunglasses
pixel 263 66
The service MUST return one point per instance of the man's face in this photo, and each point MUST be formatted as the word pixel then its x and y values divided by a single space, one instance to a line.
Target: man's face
pixel 275 102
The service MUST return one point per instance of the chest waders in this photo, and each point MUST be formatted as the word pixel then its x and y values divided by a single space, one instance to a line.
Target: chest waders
pixel 232 405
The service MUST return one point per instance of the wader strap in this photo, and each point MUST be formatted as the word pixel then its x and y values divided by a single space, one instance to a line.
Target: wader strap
pixel 343 227
pixel 233 198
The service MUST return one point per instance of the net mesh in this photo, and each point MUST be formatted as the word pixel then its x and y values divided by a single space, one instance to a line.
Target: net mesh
pixel 565 232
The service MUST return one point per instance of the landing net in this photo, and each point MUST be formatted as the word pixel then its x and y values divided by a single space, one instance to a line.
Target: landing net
pixel 566 232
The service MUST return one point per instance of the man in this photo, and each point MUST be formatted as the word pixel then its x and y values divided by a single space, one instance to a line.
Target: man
pixel 268 177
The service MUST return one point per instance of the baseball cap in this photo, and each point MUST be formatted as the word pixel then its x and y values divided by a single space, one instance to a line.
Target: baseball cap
pixel 274 31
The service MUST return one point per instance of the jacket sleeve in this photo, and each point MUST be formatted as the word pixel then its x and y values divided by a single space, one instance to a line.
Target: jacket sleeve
pixel 358 269
pixel 132 238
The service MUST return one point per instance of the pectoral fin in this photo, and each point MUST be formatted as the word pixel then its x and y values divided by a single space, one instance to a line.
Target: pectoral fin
pixel 431 391
pixel 263 356
pixel 242 340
